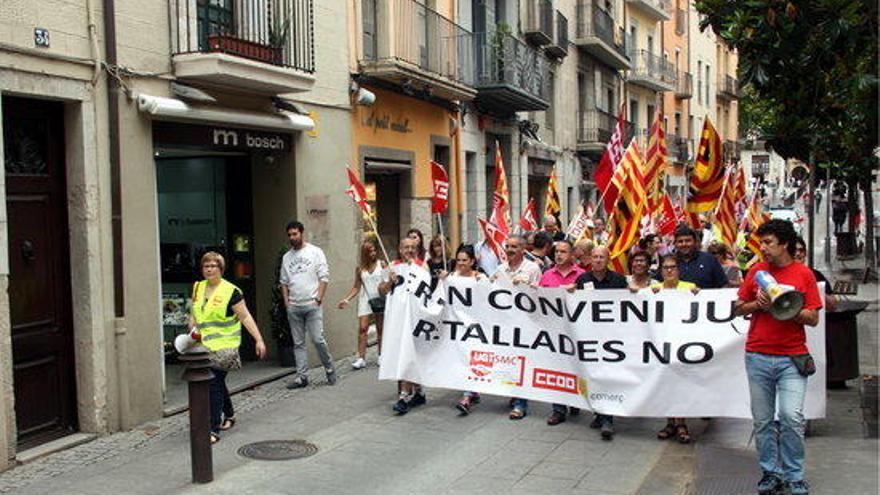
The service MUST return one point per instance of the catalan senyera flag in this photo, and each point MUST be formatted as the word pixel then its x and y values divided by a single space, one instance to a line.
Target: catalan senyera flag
pixel 656 163
pixel 725 215
pixel 609 163
pixel 528 221
pixel 501 197
pixel 357 192
pixel 551 203
pixel 495 238
pixel 755 218
pixel 626 216
pixel 707 179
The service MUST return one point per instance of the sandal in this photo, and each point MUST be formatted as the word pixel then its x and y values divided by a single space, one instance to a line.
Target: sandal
pixel 682 433
pixel 227 423
pixel 517 413
pixel 214 438
pixel 667 432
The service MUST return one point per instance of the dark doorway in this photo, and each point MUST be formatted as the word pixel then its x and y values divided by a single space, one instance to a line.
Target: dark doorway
pixel 383 193
pixel 39 270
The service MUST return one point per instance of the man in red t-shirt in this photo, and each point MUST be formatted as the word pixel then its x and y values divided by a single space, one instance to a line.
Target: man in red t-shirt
pixel 774 380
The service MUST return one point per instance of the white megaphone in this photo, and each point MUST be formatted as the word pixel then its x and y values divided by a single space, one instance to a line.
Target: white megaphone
pixel 785 301
pixel 186 341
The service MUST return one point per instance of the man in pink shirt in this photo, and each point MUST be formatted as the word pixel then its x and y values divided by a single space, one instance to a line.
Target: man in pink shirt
pixel 563 274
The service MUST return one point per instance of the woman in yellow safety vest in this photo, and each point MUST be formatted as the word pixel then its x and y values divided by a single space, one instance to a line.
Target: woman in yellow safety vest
pixel 218 313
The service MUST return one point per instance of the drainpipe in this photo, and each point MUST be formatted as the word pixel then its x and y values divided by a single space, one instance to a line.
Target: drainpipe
pixel 455 177
pixel 116 213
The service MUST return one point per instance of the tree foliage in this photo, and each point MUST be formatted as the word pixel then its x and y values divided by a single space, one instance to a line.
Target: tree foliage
pixel 809 71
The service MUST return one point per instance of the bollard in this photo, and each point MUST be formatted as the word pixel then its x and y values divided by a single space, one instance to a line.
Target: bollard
pixel 199 375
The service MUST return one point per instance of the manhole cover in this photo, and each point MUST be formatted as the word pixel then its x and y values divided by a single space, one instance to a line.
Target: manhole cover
pixel 278 450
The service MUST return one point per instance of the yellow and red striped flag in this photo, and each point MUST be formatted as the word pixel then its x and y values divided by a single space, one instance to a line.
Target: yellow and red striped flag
pixel 626 216
pixel 656 162
pixel 725 215
pixel 755 218
pixel 551 201
pixel 707 179
pixel 501 197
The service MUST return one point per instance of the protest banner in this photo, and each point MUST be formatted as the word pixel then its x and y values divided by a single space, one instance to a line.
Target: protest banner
pixel 666 354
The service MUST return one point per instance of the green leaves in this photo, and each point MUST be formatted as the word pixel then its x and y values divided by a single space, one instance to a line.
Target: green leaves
pixel 809 75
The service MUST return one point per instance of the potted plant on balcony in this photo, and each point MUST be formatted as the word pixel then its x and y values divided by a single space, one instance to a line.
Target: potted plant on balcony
pixel 502 31
pixel 279 33
pixel 228 43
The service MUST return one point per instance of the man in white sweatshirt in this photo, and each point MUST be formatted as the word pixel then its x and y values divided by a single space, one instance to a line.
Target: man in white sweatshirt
pixel 304 278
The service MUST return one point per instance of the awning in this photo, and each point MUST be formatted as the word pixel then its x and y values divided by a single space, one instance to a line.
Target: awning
pixel 180 110
pixel 379 164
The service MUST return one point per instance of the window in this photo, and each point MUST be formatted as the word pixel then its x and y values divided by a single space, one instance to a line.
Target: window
pixel 650 117
pixel 707 83
pixel 677 130
pixel 699 81
pixel 370 23
pixel 550 113
pixel 633 111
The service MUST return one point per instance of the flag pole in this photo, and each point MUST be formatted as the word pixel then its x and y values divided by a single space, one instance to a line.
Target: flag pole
pixel 442 240
pixel 379 238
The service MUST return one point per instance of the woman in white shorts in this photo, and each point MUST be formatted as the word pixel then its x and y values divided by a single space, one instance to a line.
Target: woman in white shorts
pixel 367 275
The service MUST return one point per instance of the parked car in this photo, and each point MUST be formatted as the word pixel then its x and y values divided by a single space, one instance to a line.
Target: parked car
pixel 791 215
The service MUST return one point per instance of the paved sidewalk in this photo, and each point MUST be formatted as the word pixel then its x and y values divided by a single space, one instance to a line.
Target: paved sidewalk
pixel 363 449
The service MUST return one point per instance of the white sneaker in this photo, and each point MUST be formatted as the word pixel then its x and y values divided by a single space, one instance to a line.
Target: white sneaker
pixel 359 363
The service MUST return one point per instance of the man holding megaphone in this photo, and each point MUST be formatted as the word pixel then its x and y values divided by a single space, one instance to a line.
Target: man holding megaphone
pixel 782 296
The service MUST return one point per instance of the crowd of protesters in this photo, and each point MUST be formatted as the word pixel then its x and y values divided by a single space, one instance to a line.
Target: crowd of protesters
pixel 547 257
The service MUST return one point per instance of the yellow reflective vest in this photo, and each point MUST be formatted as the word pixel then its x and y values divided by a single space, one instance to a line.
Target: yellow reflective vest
pixel 218 330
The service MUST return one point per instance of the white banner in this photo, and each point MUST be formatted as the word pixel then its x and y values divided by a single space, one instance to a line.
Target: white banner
pixel 670 354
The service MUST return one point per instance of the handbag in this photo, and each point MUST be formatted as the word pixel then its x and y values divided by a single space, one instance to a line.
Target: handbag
pixel 377 304
pixel 804 363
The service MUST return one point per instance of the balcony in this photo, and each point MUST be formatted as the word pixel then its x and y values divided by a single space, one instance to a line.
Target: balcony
pixel 594 129
pixel 539 22
pixel 684 86
pixel 679 149
pixel 262 47
pixel 656 10
pixel 559 47
pixel 730 150
pixel 597 35
pixel 728 87
pixel 652 71
pixel 680 21
pixel 510 75
pixel 406 43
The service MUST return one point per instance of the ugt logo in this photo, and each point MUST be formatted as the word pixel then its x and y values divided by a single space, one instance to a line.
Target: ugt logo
pixel 486 366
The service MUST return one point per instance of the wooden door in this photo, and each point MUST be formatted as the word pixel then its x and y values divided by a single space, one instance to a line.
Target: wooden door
pixel 39 281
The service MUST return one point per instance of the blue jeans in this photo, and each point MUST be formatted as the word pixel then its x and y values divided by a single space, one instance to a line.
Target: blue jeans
pixel 308 319
pixel 774 383
pixel 521 404
pixel 221 403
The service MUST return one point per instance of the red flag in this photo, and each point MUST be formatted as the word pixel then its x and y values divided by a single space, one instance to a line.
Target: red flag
pixel 495 238
pixel 668 219
pixel 357 192
pixel 529 219
pixel 441 188
pixel 501 196
pixel 609 162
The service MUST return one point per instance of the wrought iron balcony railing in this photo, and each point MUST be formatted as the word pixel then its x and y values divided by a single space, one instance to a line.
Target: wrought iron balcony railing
pixel 651 69
pixel 559 47
pixel 511 76
pixel 728 87
pixel 276 32
pixel 425 39
pixel 595 22
pixel 539 22
pixel 680 21
pixel 678 148
pixel 595 127
pixel 684 86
